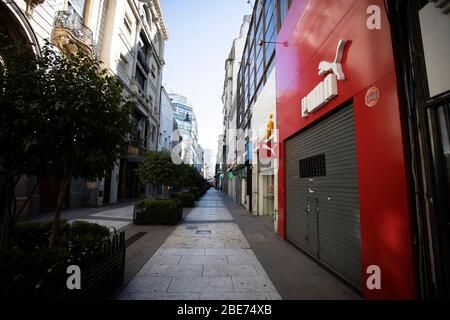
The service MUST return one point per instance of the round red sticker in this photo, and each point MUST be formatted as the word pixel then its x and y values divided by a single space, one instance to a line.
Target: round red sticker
pixel 372 97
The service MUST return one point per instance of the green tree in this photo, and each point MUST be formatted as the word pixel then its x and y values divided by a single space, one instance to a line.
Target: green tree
pixel 20 152
pixel 188 177
pixel 80 124
pixel 88 121
pixel 157 169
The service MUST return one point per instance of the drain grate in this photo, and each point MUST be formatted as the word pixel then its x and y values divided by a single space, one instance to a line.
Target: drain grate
pixel 203 232
pixel 191 227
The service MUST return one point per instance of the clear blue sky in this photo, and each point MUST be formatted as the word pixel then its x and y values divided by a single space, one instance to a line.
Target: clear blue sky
pixel 201 33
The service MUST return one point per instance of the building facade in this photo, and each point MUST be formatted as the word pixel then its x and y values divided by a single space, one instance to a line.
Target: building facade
pixel 250 109
pixel 188 146
pixel 229 178
pixel 128 36
pixel 362 113
pixel 167 123
pixel 133 49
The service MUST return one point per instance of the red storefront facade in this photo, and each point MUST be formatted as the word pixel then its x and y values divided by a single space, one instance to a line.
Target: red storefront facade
pixel 309 36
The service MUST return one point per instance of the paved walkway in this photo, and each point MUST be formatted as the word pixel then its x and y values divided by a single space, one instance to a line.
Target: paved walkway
pixel 207 257
pixel 220 251
pixel 117 216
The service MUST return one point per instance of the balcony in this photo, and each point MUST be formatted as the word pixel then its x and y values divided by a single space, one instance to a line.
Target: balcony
pixel 70 35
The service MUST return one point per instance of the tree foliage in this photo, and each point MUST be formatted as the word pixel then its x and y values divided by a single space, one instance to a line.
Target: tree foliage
pixel 20 100
pixel 69 115
pixel 157 169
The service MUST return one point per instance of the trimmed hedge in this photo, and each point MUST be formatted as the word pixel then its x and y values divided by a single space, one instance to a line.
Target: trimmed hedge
pixel 30 270
pixel 187 199
pixel 157 212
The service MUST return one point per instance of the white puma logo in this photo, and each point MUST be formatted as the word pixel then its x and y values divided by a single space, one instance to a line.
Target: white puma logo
pixel 335 66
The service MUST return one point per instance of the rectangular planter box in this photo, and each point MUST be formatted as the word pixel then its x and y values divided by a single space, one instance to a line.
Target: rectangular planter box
pixel 147 215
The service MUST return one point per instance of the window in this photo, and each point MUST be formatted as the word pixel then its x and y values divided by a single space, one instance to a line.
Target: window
pixel 153 72
pixel 284 8
pixel 127 24
pixel 77 5
pixel 140 78
pixel 124 65
pixel 143 51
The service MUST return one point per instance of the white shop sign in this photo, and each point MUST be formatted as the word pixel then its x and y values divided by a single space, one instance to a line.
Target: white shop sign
pixel 327 89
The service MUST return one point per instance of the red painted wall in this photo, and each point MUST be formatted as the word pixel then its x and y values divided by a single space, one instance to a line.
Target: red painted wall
pixel 312 31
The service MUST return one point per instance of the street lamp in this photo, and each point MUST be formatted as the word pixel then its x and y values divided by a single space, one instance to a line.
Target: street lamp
pixel 261 42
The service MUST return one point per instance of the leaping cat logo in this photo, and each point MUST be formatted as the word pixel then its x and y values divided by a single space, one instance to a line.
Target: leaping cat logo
pixel 335 66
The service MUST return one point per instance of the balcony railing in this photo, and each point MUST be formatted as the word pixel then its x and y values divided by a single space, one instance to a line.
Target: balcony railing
pixel 69 32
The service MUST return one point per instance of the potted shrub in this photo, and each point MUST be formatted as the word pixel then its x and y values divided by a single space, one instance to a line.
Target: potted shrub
pixel 152 211
pixel 187 199
pixel 30 269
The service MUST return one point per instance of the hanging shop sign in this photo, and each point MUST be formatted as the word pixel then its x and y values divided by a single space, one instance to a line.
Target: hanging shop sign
pixel 327 89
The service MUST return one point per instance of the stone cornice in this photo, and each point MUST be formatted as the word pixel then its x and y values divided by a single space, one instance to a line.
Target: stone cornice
pixel 161 22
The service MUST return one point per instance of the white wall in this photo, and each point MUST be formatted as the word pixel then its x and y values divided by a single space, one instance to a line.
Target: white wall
pixel 166 122
pixel 435 27
pixel 264 106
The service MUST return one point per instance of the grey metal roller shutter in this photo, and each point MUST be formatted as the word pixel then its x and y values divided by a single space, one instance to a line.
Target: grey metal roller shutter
pixel 322 199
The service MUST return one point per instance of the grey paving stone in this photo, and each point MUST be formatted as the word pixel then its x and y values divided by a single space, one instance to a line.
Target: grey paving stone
pixel 149 284
pixel 204 260
pixel 252 284
pixel 227 252
pixel 181 251
pixel 164 296
pixel 201 284
pixel 165 259
pixel 273 295
pixel 259 268
pixel 236 243
pixel 229 270
pixel 235 296
pixel 249 259
pixel 166 270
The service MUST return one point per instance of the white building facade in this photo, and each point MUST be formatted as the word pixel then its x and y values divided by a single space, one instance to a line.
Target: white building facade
pixel 186 137
pixel 230 154
pixel 167 123
pixel 128 36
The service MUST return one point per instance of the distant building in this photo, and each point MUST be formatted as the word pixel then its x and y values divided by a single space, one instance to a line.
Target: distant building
pixel 167 122
pixel 191 151
pixel 208 164
pixel 229 183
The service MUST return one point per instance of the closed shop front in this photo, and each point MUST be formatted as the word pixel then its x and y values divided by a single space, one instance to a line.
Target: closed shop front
pixel 343 179
pixel 322 202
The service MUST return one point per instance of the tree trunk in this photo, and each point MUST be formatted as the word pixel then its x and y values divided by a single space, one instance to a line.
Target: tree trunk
pixel 9 196
pixel 155 191
pixel 56 226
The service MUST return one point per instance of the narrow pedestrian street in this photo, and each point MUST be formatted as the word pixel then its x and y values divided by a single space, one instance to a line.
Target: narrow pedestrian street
pixel 208 257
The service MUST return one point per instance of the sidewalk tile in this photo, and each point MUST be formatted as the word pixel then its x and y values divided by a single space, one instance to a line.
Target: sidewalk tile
pixel 148 284
pixel 229 270
pixel 205 260
pixel 166 270
pixel 235 296
pixel 252 283
pixel 201 284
